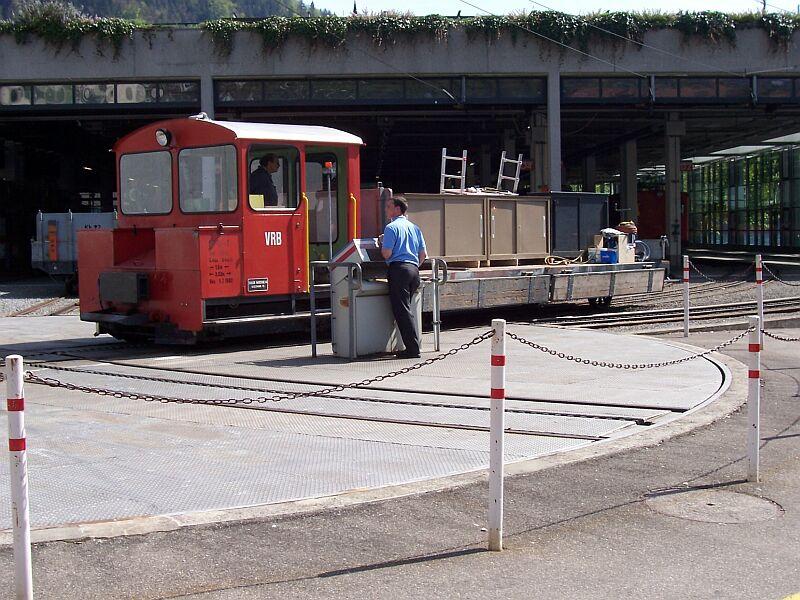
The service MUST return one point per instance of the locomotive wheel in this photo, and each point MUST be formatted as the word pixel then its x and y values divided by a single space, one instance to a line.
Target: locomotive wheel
pixel 600 302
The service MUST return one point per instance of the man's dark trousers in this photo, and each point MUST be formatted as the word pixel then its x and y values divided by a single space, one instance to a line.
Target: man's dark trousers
pixel 403 282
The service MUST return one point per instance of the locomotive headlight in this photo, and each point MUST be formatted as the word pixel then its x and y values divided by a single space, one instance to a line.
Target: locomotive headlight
pixel 163 137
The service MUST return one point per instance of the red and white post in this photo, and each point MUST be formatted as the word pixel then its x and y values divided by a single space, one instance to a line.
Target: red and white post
pixel 685 296
pixel 753 399
pixel 760 295
pixel 23 577
pixel 496 432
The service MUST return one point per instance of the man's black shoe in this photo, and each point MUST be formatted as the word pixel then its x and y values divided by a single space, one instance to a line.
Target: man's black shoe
pixel 407 354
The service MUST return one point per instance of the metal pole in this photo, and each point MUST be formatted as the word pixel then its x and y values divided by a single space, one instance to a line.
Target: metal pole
pixel 351 312
pixel 685 296
pixel 496 428
pixel 437 321
pixel 330 220
pixel 760 295
pixel 753 400
pixel 15 394
pixel 313 308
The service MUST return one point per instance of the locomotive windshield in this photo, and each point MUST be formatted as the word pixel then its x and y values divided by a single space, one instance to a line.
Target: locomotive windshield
pixel 207 178
pixel 145 183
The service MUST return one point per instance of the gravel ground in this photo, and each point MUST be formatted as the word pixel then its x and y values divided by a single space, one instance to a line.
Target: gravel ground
pixel 726 289
pixel 704 293
pixel 727 285
pixel 19 295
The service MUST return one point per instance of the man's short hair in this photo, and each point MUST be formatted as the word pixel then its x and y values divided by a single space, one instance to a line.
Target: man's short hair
pixel 267 158
pixel 401 203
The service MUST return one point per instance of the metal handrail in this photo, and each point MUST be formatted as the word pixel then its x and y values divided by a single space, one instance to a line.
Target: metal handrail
pixel 439 276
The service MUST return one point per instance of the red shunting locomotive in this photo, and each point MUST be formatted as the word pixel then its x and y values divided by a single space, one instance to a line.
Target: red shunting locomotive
pixel 204 247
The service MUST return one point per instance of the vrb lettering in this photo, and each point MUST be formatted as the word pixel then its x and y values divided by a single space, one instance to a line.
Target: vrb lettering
pixel 273 238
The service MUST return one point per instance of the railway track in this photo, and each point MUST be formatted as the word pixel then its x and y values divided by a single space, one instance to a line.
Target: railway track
pixel 667 315
pixel 99 366
pixel 51 307
pixel 456 410
pixel 697 290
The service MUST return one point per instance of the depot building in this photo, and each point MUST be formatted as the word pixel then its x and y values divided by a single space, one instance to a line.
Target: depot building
pixel 695 135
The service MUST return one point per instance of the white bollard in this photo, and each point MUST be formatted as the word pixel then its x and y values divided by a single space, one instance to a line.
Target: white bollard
pixel 23 576
pixel 753 400
pixel 496 432
pixel 685 296
pixel 760 295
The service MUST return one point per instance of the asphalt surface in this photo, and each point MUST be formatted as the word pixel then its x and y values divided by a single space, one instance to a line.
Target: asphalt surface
pixel 582 530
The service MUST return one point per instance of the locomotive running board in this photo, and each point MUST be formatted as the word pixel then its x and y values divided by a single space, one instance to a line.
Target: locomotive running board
pixel 261 325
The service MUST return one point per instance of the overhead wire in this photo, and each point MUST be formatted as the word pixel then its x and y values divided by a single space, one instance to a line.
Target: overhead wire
pixel 553 41
pixel 649 46
pixel 775 6
pixel 615 66
pixel 781 69
pixel 778 70
pixel 380 60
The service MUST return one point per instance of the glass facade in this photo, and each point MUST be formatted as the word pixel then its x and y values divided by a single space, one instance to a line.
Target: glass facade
pixel 680 90
pixel 83 95
pixel 466 89
pixel 749 202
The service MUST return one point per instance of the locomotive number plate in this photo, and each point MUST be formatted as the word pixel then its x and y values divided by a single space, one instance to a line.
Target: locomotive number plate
pixel 258 285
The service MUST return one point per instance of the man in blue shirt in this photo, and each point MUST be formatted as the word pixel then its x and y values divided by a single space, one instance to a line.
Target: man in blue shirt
pixel 403 247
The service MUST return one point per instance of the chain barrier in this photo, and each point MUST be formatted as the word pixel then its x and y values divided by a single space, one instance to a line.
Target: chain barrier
pixel 703 275
pixel 609 365
pixel 778 279
pixel 780 338
pixel 55 383
pixel 747 270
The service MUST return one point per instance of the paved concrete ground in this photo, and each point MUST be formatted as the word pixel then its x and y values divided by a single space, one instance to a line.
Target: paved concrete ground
pixel 98 458
pixel 583 530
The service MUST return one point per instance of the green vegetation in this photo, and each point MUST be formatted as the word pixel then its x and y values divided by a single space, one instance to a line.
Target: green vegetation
pixel 168 11
pixel 58 23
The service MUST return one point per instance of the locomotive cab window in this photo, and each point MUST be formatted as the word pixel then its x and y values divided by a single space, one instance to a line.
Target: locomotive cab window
pixel 208 179
pixel 145 183
pixel 322 187
pixel 273 173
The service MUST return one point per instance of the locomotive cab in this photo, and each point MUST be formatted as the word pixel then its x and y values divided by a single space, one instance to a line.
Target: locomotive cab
pixel 217 224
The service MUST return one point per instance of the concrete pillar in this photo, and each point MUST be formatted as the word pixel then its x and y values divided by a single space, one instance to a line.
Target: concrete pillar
pixel 629 191
pixel 207 95
pixel 539 156
pixel 554 128
pixel 589 173
pixel 674 130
